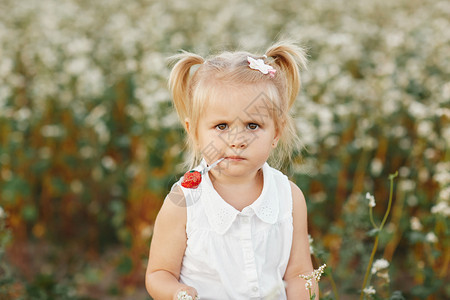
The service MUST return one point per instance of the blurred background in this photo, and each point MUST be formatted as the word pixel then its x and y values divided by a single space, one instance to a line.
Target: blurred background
pixel 90 144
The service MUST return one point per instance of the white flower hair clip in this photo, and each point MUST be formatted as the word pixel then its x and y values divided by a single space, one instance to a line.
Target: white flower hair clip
pixel 258 64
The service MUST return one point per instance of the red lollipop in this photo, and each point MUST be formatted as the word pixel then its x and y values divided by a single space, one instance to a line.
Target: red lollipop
pixel 192 178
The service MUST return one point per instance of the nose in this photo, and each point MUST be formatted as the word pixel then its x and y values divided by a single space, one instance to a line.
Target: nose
pixel 239 142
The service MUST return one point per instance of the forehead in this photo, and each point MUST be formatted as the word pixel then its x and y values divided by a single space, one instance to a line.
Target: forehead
pixel 244 102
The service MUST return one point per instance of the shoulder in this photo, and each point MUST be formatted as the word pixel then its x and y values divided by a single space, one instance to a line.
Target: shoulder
pixel 298 201
pixel 173 210
pixel 279 177
pixel 296 192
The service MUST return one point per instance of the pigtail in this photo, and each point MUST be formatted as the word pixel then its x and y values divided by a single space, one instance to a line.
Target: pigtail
pixel 179 82
pixel 289 58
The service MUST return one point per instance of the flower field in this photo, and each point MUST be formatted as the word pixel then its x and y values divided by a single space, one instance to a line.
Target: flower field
pixel 90 144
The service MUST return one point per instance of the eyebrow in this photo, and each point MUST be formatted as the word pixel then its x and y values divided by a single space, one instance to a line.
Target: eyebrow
pixel 220 121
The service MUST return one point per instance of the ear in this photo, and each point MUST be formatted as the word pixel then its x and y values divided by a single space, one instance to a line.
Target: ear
pixel 276 139
pixel 275 143
pixel 277 136
pixel 186 124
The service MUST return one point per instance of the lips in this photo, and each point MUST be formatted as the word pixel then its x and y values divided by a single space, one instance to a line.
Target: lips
pixel 235 158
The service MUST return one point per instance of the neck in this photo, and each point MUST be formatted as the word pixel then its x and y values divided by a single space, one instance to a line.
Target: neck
pixel 218 178
pixel 248 189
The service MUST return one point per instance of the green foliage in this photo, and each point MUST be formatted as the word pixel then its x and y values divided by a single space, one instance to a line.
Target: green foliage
pixel 125 265
pixel 430 286
pixel 90 144
pixel 46 287
pixel 6 276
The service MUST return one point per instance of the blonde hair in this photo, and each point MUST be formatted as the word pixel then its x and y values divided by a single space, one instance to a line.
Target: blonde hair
pixel 192 90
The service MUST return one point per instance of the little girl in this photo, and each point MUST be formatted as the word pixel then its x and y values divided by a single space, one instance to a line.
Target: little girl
pixel 239 230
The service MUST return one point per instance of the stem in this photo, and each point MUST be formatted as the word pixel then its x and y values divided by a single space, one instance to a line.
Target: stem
pixel 371 219
pixel 333 286
pixel 374 249
pixel 444 269
pixel 391 178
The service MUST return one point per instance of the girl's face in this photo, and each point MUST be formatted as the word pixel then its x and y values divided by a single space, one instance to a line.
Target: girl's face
pixel 237 124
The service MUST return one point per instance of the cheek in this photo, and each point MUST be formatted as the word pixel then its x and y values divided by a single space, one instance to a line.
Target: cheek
pixel 266 135
pixel 208 136
pixel 201 140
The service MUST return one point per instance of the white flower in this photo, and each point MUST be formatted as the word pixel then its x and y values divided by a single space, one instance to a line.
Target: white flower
pixel 52 131
pixel 379 264
pixel 76 186
pixel 444 194
pixel 371 199
pixel 442 178
pixel 376 166
pixel 183 295
pixel 431 237
pixel 384 275
pixel 22 114
pixel 146 232
pixel 425 128
pixel 77 66
pixel 311 249
pixel 407 185
pixel 258 64
pixel 412 200
pixel 441 208
pixel 87 152
pixel 315 274
pixel 103 132
pixel 109 163
pixel 369 290
pixel 318 272
pixel 308 284
pixel 415 224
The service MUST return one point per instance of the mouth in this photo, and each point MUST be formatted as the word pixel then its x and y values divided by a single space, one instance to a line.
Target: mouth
pixel 234 158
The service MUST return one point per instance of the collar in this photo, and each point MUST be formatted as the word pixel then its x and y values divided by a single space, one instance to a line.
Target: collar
pixel 221 215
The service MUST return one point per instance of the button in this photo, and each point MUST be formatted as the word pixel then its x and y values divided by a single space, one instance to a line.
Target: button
pixel 245 220
pixel 255 289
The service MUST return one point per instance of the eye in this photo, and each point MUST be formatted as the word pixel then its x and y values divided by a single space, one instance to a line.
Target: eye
pixel 222 126
pixel 252 126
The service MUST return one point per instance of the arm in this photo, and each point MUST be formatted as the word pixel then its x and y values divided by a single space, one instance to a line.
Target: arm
pixel 300 258
pixel 167 250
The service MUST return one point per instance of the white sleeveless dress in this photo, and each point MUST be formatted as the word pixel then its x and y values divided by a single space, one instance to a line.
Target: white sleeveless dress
pixel 234 254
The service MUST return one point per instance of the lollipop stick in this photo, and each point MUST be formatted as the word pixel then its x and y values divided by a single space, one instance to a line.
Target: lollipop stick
pixel 212 166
